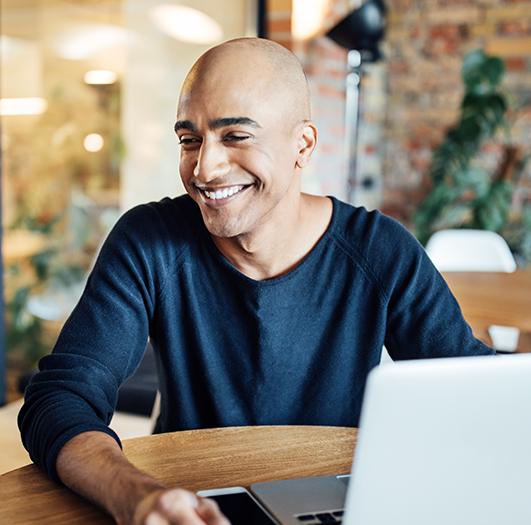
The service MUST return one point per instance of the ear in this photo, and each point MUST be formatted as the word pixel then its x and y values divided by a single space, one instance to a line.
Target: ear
pixel 307 143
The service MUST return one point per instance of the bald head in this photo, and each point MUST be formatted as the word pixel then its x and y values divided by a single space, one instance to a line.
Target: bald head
pixel 270 71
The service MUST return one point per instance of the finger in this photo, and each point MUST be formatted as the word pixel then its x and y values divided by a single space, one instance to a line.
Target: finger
pixel 174 507
pixel 154 518
pixel 177 499
pixel 180 507
pixel 209 512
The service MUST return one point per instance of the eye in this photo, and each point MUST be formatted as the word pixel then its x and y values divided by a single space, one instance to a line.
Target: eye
pixel 188 142
pixel 236 138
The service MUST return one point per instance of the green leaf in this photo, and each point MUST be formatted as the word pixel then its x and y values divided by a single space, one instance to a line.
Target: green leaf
pixel 470 128
pixel 493 69
pixel 471 69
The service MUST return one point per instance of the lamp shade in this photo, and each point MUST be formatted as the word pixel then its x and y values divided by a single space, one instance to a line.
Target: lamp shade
pixel 362 29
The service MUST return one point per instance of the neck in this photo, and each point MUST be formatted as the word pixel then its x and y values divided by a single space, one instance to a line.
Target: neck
pixel 276 249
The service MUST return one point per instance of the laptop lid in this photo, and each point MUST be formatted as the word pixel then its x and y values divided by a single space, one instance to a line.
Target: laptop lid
pixel 444 441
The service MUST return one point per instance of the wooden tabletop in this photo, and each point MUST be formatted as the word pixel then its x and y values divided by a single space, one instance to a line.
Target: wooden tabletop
pixel 194 460
pixel 493 298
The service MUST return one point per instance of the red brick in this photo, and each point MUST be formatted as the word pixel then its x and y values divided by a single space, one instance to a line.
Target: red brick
pixel 279 26
pixel 421 163
pixel 332 149
pixel 515 64
pixel 441 46
pixel 414 144
pixel 403 6
pixel 337 73
pixel 330 92
pixel 416 32
pixel 335 131
pixel 288 44
pixel 516 27
pixel 445 31
pixel 399 68
pixel 332 52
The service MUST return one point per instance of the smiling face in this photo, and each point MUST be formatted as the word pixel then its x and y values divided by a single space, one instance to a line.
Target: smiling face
pixel 241 137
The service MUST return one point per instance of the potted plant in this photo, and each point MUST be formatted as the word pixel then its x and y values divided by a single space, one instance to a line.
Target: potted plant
pixel 465 191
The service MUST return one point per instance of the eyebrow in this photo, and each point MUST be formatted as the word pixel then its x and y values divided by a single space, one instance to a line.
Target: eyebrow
pixel 217 123
pixel 184 124
pixel 231 121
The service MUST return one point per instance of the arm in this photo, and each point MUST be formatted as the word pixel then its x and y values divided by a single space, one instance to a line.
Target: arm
pixel 93 465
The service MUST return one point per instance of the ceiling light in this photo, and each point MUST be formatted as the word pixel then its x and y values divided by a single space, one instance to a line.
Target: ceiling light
pixel 100 76
pixel 186 24
pixel 82 41
pixel 93 142
pixel 22 106
pixel 308 17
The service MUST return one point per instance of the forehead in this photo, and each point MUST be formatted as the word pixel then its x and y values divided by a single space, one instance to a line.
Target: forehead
pixel 226 89
pixel 224 105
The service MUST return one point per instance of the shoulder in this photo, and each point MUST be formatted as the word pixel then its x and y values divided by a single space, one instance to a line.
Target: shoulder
pixel 176 221
pixel 384 250
pixel 177 215
pixel 154 235
pixel 371 234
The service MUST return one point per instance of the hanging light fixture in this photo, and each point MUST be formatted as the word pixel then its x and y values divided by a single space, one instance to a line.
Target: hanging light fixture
pixel 81 41
pixel 359 32
pixel 98 77
pixel 23 106
pixel 362 30
pixel 186 24
pixel 307 18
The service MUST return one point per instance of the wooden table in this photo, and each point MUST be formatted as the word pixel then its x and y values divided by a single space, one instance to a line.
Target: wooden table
pixel 494 298
pixel 194 460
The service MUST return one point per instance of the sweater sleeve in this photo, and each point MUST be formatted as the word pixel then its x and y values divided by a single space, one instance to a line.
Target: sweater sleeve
pixel 100 345
pixel 424 319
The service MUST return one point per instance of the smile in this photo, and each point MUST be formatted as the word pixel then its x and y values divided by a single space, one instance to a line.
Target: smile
pixel 222 193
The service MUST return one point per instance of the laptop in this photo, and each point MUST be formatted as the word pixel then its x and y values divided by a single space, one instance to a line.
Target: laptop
pixel 441 442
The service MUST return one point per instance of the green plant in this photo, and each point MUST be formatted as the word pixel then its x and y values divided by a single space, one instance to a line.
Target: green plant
pixel 47 269
pixel 466 192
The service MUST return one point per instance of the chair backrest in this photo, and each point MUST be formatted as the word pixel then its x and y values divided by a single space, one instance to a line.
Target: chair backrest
pixel 470 250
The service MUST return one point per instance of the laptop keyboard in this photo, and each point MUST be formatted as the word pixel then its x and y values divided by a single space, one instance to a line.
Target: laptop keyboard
pixel 331 517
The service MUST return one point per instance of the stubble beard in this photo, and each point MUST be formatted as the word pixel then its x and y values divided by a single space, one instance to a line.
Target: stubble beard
pixel 219 224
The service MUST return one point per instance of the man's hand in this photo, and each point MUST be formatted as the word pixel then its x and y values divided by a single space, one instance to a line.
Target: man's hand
pixel 176 506
pixel 93 465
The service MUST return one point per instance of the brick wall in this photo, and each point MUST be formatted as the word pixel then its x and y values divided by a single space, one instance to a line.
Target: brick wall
pixel 426 42
pixel 325 64
pixel 410 99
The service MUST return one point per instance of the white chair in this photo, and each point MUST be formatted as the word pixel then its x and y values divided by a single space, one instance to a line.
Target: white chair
pixel 476 251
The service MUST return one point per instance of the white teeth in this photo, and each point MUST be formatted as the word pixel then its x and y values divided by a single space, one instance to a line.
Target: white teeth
pixel 222 194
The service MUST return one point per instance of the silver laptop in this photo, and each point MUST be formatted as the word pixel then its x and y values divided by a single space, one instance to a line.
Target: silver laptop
pixel 441 442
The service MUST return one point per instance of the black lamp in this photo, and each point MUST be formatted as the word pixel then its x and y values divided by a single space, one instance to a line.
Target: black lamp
pixel 360 33
pixel 362 29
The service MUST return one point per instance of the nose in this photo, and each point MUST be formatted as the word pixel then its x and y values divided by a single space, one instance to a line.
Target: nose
pixel 212 162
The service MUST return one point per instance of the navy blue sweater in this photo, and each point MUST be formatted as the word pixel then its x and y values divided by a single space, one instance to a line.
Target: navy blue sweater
pixel 231 350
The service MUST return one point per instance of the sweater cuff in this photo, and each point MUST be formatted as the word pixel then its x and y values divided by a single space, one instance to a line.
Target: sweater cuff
pixel 51 461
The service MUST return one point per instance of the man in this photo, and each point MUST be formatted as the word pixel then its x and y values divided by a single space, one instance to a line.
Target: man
pixel 264 305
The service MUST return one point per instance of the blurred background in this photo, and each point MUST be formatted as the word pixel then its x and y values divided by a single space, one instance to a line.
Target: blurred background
pixel 423 109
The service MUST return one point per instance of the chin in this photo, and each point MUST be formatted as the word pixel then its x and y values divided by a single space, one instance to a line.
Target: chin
pixel 223 227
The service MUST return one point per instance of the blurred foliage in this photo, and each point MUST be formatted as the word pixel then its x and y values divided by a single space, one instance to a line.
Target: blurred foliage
pixel 464 192
pixel 47 178
pixel 25 332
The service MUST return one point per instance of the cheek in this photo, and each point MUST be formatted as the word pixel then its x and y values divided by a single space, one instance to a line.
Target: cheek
pixel 186 165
